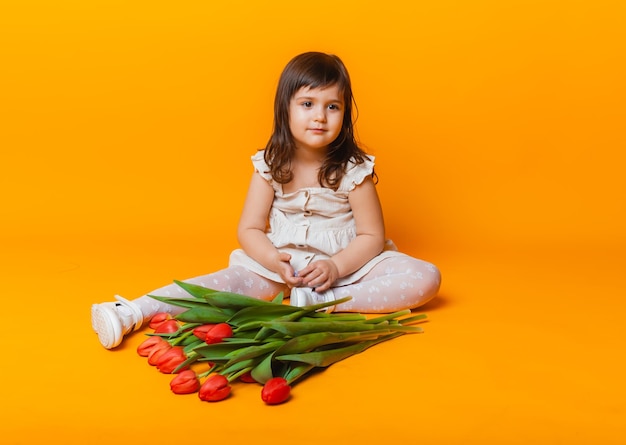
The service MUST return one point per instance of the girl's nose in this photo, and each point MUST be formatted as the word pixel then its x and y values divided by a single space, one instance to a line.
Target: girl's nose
pixel 320 115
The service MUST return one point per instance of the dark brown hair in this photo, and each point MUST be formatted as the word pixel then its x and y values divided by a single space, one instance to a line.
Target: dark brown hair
pixel 313 70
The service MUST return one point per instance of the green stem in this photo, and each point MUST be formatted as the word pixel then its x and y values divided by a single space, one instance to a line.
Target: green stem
pixel 212 369
pixel 235 375
pixel 181 338
pixel 388 316
pixel 414 319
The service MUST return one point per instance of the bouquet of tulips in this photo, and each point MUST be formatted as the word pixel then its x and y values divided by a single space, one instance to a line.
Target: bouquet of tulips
pixel 238 338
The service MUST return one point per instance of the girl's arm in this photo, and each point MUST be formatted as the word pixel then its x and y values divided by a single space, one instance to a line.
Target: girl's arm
pixel 369 241
pixel 251 231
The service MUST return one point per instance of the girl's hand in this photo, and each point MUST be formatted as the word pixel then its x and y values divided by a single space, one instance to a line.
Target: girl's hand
pixel 320 275
pixel 286 272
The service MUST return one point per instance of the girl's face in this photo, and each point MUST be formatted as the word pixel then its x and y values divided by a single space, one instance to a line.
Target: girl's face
pixel 316 116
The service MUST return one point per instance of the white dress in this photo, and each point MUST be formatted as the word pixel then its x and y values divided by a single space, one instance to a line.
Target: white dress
pixel 312 223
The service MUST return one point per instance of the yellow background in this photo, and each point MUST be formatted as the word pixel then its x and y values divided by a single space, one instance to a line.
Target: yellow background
pixel 498 126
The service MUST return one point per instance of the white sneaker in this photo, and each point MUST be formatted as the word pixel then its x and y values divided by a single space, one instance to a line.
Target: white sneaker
pixel 305 296
pixel 111 321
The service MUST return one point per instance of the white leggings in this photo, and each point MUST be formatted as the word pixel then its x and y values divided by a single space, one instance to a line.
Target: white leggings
pixel 396 283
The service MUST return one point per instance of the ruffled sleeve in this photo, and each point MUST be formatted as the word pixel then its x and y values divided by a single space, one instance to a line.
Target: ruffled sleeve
pixel 258 161
pixel 356 174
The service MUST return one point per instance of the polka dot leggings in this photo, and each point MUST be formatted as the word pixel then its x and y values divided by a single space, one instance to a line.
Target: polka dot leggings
pixel 394 284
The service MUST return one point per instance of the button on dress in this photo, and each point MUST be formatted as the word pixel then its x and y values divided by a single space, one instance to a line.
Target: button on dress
pixel 312 223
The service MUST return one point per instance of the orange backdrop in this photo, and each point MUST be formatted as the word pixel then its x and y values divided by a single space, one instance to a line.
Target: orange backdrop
pixel 493 121
pixel 126 130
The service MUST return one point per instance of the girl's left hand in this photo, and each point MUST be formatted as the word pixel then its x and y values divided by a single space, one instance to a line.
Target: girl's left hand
pixel 320 275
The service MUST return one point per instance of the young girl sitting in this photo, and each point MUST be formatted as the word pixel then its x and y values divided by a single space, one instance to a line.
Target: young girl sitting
pixel 326 238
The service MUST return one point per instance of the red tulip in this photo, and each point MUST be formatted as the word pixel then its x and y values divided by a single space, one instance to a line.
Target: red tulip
pixel 247 378
pixel 158 319
pixel 167 327
pixel 276 390
pixel 201 331
pixel 219 332
pixel 171 359
pixel 185 383
pixel 146 347
pixel 157 352
pixel 214 389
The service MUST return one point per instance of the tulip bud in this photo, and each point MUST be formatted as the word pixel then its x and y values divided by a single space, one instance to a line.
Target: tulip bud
pixel 247 378
pixel 157 352
pixel 171 359
pixel 158 319
pixel 214 389
pixel 146 347
pixel 167 327
pixel 276 390
pixel 185 383
pixel 201 331
pixel 219 332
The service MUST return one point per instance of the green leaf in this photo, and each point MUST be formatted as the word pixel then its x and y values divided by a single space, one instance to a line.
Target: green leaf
pixel 235 375
pixel 235 301
pixel 188 341
pixel 309 342
pixel 204 314
pixel 251 317
pixel 194 289
pixel 253 351
pixel 191 346
pixel 334 316
pixel 317 307
pixel 328 357
pixel 266 332
pixel 242 337
pixel 229 368
pixel 181 302
pixel 295 328
pixel 263 371
pixel 388 317
pixel 297 371
pixel 278 299
pixel 218 351
pixel 221 299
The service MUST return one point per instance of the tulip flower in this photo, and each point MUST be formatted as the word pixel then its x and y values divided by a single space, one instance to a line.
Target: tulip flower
pixel 185 382
pixel 201 331
pixel 146 347
pixel 157 352
pixel 158 319
pixel 171 359
pixel 247 378
pixel 275 391
pixel 214 389
pixel 167 327
pixel 219 332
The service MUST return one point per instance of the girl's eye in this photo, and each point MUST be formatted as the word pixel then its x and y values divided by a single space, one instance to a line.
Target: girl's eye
pixel 333 107
pixel 307 104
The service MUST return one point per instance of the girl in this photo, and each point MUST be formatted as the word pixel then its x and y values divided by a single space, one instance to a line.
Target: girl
pixel 325 239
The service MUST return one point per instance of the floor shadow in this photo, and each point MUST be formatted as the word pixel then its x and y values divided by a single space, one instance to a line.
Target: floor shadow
pixel 439 302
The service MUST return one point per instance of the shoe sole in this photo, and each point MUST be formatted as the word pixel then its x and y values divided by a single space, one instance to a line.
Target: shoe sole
pixel 106 324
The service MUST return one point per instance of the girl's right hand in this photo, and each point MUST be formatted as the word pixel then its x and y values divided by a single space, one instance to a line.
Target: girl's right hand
pixel 286 272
